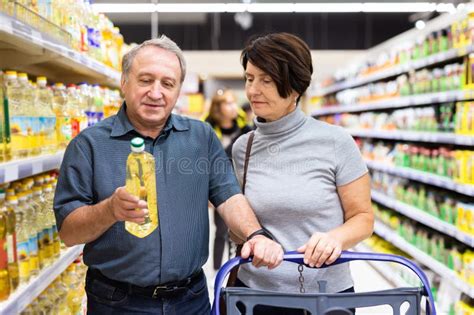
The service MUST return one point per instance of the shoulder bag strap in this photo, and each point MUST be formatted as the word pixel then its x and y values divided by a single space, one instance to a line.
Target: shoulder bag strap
pixel 247 158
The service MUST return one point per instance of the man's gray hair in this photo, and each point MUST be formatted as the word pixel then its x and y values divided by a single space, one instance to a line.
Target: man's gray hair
pixel 162 42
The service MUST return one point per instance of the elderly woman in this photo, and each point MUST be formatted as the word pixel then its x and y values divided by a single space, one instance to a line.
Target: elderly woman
pixel 306 179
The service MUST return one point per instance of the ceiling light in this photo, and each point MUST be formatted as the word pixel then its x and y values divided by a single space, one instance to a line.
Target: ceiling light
pixel 329 7
pixel 191 7
pixel 399 7
pixel 271 7
pixel 420 24
pixel 275 7
pixel 124 7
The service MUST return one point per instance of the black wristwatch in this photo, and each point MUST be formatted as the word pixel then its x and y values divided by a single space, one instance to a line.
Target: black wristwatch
pixel 263 232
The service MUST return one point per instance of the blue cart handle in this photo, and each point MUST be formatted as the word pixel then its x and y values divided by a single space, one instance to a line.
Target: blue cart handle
pixel 346 256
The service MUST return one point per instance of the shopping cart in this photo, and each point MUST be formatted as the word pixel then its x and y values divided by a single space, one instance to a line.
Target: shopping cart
pixel 325 303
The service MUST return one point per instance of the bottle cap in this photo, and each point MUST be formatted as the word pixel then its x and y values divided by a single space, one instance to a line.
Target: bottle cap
pixel 137 144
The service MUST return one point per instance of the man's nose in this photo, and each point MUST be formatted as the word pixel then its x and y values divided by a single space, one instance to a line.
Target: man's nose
pixel 155 91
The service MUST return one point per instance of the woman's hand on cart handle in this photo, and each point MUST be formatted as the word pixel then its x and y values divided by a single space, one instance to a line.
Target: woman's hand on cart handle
pixel 265 251
pixel 321 249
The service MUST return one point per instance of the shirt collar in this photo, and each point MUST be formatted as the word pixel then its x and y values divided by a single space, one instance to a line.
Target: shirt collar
pixel 122 124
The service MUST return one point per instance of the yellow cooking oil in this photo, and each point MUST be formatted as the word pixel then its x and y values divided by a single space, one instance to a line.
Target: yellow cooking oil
pixel 4 278
pixel 13 268
pixel 141 182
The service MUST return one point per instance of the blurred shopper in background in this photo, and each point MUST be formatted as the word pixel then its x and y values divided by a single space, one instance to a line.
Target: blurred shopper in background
pixel 306 179
pixel 249 114
pixel 229 123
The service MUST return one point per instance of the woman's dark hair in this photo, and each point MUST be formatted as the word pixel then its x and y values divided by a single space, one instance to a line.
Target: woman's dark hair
pixel 285 58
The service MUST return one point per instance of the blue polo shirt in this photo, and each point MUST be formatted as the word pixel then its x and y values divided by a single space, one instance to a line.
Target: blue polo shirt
pixel 191 168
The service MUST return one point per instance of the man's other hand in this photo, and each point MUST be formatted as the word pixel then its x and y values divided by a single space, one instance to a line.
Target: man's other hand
pixel 265 252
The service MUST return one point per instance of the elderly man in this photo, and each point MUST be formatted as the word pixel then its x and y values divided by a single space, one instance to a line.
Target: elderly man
pixel 161 273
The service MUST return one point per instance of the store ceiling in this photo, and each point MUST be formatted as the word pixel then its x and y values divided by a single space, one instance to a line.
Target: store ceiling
pixel 213 31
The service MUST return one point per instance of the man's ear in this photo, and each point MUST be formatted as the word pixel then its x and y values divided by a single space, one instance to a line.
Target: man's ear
pixel 122 83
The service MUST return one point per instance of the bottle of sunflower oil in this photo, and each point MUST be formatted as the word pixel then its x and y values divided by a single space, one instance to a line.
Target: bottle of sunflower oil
pixel 16 124
pixel 12 204
pixel 44 104
pixel 23 239
pixel 63 118
pixel 25 115
pixel 141 182
pixel 33 234
pixel 4 278
pixel 47 235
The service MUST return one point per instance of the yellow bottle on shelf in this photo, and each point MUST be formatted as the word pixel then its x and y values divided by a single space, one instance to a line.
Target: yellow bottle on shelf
pixel 23 239
pixel 3 125
pixel 16 123
pixel 12 203
pixel 4 278
pixel 141 182
pixel 63 118
pixel 44 104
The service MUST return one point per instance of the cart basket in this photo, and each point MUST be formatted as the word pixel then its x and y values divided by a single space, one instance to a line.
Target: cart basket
pixel 325 303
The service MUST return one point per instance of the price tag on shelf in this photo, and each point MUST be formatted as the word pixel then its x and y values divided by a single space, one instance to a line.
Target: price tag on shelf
pixel 6 25
pixel 22 30
pixel 37 38
pixel 11 173
pixel 462 51
pixel 37 167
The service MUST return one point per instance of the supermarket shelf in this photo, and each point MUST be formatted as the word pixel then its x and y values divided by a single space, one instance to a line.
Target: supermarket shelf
pixel 397 102
pixel 424 177
pixel 25 48
pixel 18 169
pixel 397 70
pixel 423 217
pixel 422 136
pixel 25 294
pixel 390 236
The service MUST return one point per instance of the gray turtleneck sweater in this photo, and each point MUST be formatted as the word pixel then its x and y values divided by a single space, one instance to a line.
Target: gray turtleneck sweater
pixel 295 166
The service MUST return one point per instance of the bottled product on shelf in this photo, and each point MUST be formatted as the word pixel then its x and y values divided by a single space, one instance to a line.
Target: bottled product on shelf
pixel 448 162
pixel 448 78
pixel 65 295
pixel 43 119
pixel 74 24
pixel 451 253
pixel 446 117
pixel 457 35
pixel 31 240
pixel 449 207
pixel 13 268
pixel 4 279
pixel 44 107
pixel 17 124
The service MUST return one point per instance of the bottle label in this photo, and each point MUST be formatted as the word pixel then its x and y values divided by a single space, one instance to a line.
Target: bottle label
pixel 66 128
pixel 48 243
pixel 75 127
pixel 3 254
pixel 7 120
pixel 23 251
pixel 11 248
pixel 33 244
pixel 23 258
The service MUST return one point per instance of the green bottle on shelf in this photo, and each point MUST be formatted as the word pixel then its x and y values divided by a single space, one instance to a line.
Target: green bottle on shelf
pixel 141 182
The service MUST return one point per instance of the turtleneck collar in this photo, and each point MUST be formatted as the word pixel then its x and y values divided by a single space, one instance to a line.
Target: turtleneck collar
pixel 286 124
